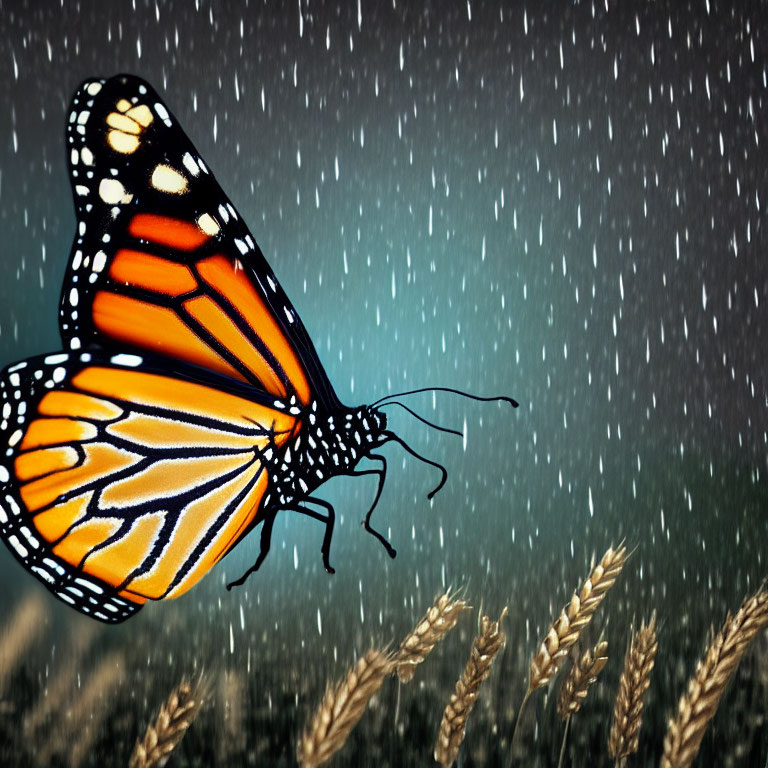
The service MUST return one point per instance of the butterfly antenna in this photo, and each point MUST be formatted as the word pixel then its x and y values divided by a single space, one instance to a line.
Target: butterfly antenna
pixel 392 436
pixel 423 420
pixel 501 398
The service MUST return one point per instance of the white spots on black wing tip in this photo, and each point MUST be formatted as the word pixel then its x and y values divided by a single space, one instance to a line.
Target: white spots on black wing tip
pixel 168 179
pixel 162 113
pixel 294 411
pixel 59 357
pixel 53 565
pixel 81 189
pixel 86 357
pixel 249 240
pixel 59 374
pixel 4 475
pixel 75 343
pixel 202 165
pixel 190 164
pixel 81 228
pixel 288 314
pixel 82 118
pixel 93 88
pixel 241 246
pixel 86 156
pixel 14 379
pixel 232 210
pixel 90 585
pixel 99 261
pixel 279 404
pixel 74 157
pixel 127 360
pixel 18 367
pixel 224 213
pixel 208 224
pixel 112 192
pixel 42 574
pixel 13 540
pixel 31 540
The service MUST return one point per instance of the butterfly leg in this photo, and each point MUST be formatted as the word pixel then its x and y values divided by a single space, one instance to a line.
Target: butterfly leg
pixel 382 475
pixel 329 519
pixel 265 542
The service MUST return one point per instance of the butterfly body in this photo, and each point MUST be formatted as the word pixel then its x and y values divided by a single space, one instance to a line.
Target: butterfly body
pixel 189 404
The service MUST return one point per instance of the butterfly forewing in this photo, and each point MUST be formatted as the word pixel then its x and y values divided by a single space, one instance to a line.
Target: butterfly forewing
pixel 123 484
pixel 161 259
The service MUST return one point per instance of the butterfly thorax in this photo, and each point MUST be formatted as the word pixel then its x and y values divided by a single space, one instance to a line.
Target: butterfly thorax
pixel 328 445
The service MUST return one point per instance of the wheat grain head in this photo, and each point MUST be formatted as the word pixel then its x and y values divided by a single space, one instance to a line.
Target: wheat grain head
pixel 634 682
pixel 164 734
pixel 565 631
pixel 582 674
pixel 440 619
pixel 705 689
pixel 342 707
pixel 453 725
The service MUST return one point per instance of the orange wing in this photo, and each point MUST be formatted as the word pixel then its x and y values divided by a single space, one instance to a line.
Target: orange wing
pixel 162 261
pixel 125 485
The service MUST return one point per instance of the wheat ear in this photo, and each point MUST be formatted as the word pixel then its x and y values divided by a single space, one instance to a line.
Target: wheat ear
pixel 484 648
pixel 564 632
pixel 705 689
pixel 635 679
pixel 164 734
pixel 440 619
pixel 342 707
pixel 582 674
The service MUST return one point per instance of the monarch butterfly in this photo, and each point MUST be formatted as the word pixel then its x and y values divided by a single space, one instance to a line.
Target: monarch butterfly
pixel 190 405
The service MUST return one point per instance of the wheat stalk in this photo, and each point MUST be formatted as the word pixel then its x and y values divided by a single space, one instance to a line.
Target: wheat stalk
pixel 564 632
pixel 453 725
pixel 705 689
pixel 582 674
pixel 164 734
pixel 440 619
pixel 342 707
pixel 635 679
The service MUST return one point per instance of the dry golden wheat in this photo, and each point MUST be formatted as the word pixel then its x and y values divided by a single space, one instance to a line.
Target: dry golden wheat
pixel 164 734
pixel 698 706
pixel 440 619
pixel 342 707
pixel 564 633
pixel 581 675
pixel 80 722
pixel 27 623
pixel 454 722
pixel 635 679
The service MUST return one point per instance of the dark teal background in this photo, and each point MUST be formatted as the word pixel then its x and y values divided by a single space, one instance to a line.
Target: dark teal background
pixel 561 202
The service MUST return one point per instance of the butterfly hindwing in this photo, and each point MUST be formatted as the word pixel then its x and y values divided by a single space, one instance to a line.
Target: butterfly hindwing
pixel 161 259
pixel 122 483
